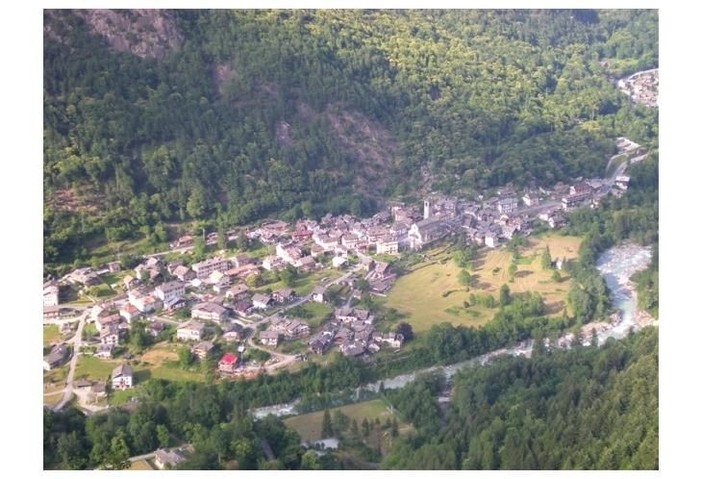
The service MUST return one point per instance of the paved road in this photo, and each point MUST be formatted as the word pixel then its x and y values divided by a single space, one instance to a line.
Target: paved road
pixel 76 340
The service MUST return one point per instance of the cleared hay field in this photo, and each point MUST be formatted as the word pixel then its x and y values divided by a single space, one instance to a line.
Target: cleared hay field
pixel 158 363
pixel 142 465
pixel 431 294
pixel 309 426
pixel 51 334
pixel 94 368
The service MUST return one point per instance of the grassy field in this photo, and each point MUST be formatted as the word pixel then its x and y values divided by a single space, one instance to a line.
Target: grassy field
pixel 431 293
pixel 159 362
pixel 53 399
pixel 51 334
pixel 317 311
pixel 142 465
pixel 309 426
pixel 94 368
pixel 55 379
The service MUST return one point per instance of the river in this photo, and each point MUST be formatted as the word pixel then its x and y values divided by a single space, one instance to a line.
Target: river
pixel 616 266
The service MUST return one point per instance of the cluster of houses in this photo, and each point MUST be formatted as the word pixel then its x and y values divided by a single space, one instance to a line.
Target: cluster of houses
pixel 641 87
pixel 352 331
pixel 218 291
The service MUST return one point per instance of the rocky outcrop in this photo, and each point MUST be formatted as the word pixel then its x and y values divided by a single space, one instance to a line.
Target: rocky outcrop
pixel 145 33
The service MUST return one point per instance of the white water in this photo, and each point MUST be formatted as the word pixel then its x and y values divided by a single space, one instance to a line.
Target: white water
pixel 616 266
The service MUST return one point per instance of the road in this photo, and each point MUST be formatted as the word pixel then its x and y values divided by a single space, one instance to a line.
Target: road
pixel 287 359
pixel 76 341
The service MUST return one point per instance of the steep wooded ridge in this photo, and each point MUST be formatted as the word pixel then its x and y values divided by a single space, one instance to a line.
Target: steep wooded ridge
pixel 153 117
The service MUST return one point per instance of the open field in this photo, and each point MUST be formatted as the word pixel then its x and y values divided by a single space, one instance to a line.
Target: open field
pixel 142 465
pixel 160 353
pixel 432 294
pixel 55 380
pixel 159 362
pixel 309 426
pixel 51 334
pixel 53 399
pixel 94 368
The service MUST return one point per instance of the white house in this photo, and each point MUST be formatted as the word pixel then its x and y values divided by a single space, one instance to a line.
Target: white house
pixel 122 377
pixel 190 331
pixel 51 293
pixel 171 290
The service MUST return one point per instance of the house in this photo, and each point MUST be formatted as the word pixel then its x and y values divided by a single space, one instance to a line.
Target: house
pixel 129 312
pixel 395 340
pixel 171 290
pixel 530 199
pixel 51 312
pixel 228 363
pixel 290 328
pixel 51 293
pixel 202 349
pixel 110 335
pixel 99 390
pixel 283 295
pixel 237 292
pixel 219 277
pixel 174 304
pixel 130 282
pixel 105 321
pixel 339 261
pixel 190 331
pixel 491 240
pixel 272 263
pixel 387 245
pixel 269 338
pixel 204 268
pixel 55 357
pixel 84 276
pixel 574 200
pixel 183 273
pixel 261 301
pixel 242 260
pixel 306 264
pixel 233 332
pixel 104 351
pixel 209 311
pixel 507 205
pixel 622 182
pixel 243 271
pixel 318 294
pixel 243 307
pixel 167 459
pixel 122 377
pixel 155 328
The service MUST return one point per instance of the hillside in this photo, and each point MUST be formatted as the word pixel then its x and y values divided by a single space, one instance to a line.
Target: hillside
pixel 156 117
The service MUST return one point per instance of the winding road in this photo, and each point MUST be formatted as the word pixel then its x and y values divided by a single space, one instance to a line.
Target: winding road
pixel 76 341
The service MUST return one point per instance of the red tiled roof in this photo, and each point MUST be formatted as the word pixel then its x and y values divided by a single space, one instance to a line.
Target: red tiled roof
pixel 229 358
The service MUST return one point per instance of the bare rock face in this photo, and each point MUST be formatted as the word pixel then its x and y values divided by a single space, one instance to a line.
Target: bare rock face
pixel 145 33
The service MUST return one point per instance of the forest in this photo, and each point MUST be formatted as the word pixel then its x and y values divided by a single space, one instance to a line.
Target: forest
pixel 290 113
pixel 586 408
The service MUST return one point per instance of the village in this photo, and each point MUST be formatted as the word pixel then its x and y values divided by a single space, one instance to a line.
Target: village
pixel 223 309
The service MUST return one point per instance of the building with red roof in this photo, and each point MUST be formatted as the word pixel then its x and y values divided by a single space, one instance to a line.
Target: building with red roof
pixel 228 363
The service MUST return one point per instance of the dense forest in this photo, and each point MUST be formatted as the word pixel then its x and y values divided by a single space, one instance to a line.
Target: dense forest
pixel 587 408
pixel 155 118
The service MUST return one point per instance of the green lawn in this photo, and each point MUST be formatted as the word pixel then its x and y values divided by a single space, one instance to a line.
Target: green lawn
pixel 309 426
pixel 314 313
pixel 95 368
pixel 51 334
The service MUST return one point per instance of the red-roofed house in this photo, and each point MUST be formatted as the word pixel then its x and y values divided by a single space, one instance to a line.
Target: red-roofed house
pixel 228 363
